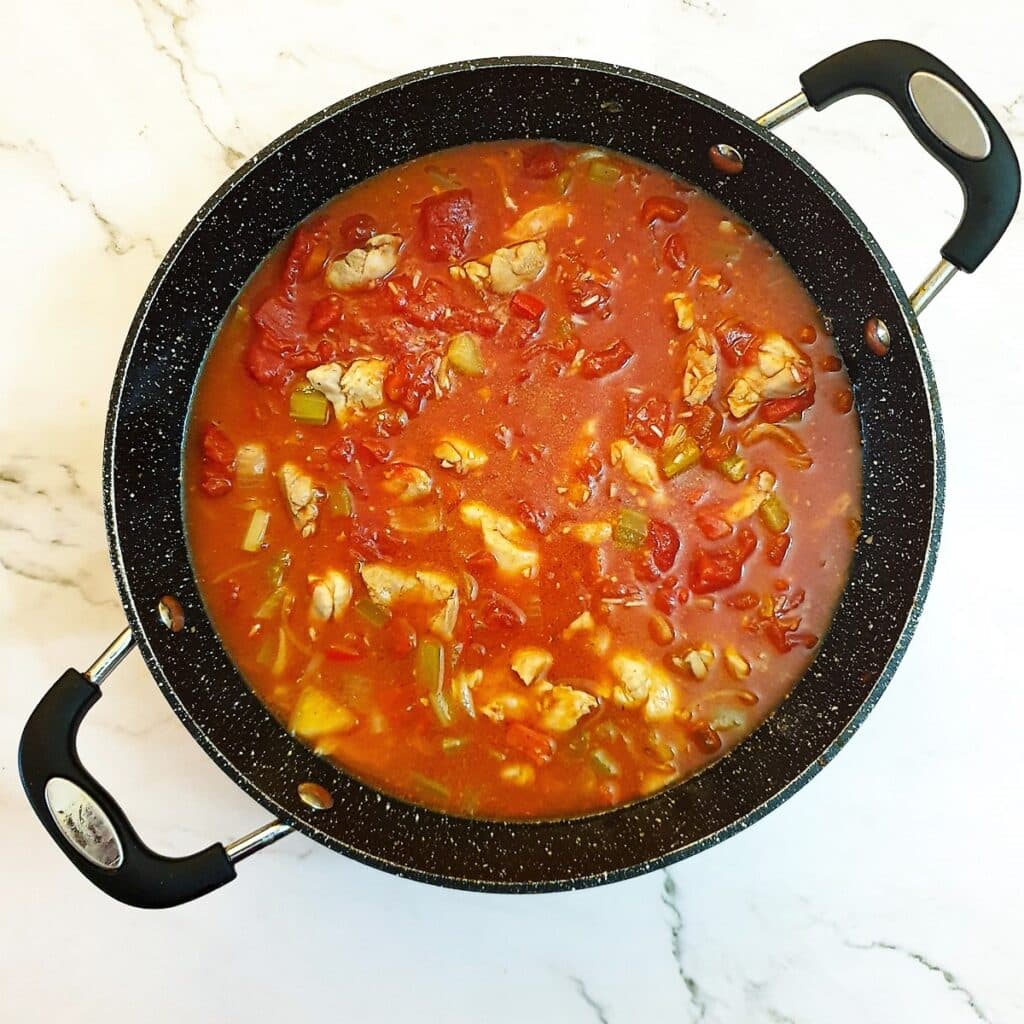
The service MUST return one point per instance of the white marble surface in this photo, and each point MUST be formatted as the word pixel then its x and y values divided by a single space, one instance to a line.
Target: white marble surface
pixel 888 890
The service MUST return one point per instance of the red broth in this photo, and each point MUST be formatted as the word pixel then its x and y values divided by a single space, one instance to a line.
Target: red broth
pixel 522 480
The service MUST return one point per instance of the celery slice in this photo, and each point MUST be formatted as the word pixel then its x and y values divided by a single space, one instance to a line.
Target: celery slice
pixel 630 529
pixel 254 535
pixel 603 172
pixel 307 405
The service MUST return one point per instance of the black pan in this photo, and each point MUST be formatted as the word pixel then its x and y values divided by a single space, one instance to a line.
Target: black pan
pixel 655 120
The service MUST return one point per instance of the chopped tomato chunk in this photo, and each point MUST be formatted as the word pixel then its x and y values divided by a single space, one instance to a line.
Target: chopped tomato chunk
pixel 446 222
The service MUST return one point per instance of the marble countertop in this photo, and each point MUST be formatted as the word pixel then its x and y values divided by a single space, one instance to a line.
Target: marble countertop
pixel 887 890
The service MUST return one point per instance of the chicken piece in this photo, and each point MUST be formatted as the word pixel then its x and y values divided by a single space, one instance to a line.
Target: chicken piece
pixel 437 588
pixel 386 583
pixel 459 454
pixel 360 267
pixel 639 466
pixel 700 371
pixel 562 707
pixel 781 371
pixel 592 533
pixel 642 682
pixel 250 461
pixel 531 663
pixel 517 266
pixel 505 270
pixel 406 483
pixel 358 386
pixel 505 707
pixel 503 537
pixel 332 594
pixel 302 496
pixel 682 305
pixel 583 623
pixel 519 773
pixel 536 223
pixel 738 666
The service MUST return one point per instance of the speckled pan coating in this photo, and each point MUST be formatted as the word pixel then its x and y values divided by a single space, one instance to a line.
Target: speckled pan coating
pixel 654 120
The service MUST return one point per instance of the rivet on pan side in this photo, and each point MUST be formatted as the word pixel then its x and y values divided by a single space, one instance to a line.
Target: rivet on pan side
pixel 876 335
pixel 312 794
pixel 725 158
pixel 171 613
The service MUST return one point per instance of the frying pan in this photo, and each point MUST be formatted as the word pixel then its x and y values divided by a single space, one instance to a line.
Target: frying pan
pixel 738 161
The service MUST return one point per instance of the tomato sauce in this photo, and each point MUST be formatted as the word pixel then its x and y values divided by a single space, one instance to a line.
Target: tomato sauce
pixel 522 480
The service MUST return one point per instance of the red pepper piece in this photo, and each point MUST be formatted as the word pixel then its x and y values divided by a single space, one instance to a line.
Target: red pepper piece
pixel 537 746
pixel 526 305
pixel 606 360
pixel 783 408
pixel 665 208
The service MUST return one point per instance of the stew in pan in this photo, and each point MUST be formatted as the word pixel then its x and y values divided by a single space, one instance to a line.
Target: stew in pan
pixel 522 480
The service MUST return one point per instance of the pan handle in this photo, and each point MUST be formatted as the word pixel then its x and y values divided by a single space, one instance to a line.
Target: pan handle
pixel 947 118
pixel 87 823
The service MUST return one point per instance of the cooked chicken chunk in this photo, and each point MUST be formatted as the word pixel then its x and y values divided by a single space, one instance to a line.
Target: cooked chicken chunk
pixel 360 385
pixel 592 533
pixel 536 223
pixel 639 466
pixel 700 371
pixel 332 594
pixel 505 270
pixel 517 266
pixel 531 663
pixel 503 537
pixel 318 714
pixel 458 454
pixel 641 682
pixel 682 305
pixel 360 267
pixel 506 706
pixel 302 497
pixel 406 483
pixel 562 707
pixel 781 371
pixel 583 623
pixel 388 584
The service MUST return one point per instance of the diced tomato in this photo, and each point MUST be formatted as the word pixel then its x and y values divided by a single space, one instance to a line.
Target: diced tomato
pixel 543 161
pixel 721 448
pixel 215 486
pixel 715 570
pixel 744 601
pixel 498 612
pixel 659 552
pixel 372 452
pixel 588 295
pixel 411 381
pixel 782 408
pixel 217 447
pixel 459 318
pixel 355 230
pixel 446 222
pixel 324 314
pixel 527 305
pixel 390 422
pixel 734 339
pixel 481 562
pixel 665 208
pixel 369 542
pixel 713 525
pixel 777 548
pixel 265 364
pixel 675 252
pixel 435 304
pixel 281 319
pixel 606 361
pixel 415 306
pixel 669 594
pixel 343 451
pixel 537 746
pixel 705 736
pixel 536 518
pixel 590 469
pixel 401 637
pixel 307 243
pixel 647 421
pixel 704 425
pixel 663 544
pixel 347 650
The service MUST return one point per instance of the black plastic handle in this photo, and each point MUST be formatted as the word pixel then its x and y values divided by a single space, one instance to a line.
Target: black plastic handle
pixel 48 761
pixel 991 184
